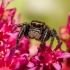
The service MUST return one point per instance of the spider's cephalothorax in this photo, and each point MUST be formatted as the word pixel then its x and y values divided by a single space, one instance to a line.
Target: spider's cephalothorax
pixel 37 30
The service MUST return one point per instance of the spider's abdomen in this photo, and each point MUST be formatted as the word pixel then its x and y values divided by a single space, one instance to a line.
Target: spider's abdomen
pixel 35 34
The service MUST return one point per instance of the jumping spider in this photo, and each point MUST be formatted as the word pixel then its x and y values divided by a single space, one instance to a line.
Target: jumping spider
pixel 37 30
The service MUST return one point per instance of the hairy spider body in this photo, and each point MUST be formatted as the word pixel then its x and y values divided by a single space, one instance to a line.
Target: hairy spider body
pixel 37 30
pixel 34 34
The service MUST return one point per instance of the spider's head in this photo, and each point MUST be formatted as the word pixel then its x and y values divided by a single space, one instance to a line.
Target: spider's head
pixel 37 24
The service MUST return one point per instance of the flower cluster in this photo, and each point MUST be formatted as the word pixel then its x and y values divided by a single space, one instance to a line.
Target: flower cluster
pixel 7 38
pixel 26 57
pixel 64 34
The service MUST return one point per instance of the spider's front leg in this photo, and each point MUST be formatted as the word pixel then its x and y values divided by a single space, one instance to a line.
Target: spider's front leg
pixel 43 39
pixel 23 29
pixel 19 25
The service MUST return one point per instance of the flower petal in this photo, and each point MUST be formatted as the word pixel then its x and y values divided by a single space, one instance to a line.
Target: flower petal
pixel 18 19
pixel 1 24
pixel 25 54
pixel 56 66
pixel 58 53
pixel 17 65
pixel 68 43
pixel 33 50
pixel 30 64
pixel 37 58
pixel 12 50
pixel 41 68
pixel 64 55
pixel 11 39
pixel 2 4
pixel 12 12
pixel 21 61
pixel 10 53
pixel 34 68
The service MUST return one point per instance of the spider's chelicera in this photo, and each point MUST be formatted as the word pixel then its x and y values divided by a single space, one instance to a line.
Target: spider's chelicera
pixel 37 30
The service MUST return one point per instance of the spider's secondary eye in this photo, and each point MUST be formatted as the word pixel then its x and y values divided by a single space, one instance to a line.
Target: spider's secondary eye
pixel 38 26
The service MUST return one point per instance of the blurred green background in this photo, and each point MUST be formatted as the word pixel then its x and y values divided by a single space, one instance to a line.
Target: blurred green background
pixel 53 12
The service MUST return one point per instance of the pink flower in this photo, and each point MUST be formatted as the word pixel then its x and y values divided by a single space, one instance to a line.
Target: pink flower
pixel 3 40
pixel 9 54
pixel 20 61
pixel 64 33
pixel 15 60
pixel 8 39
pixel 48 58
pixel 6 15
pixel 23 43
pixel 33 50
